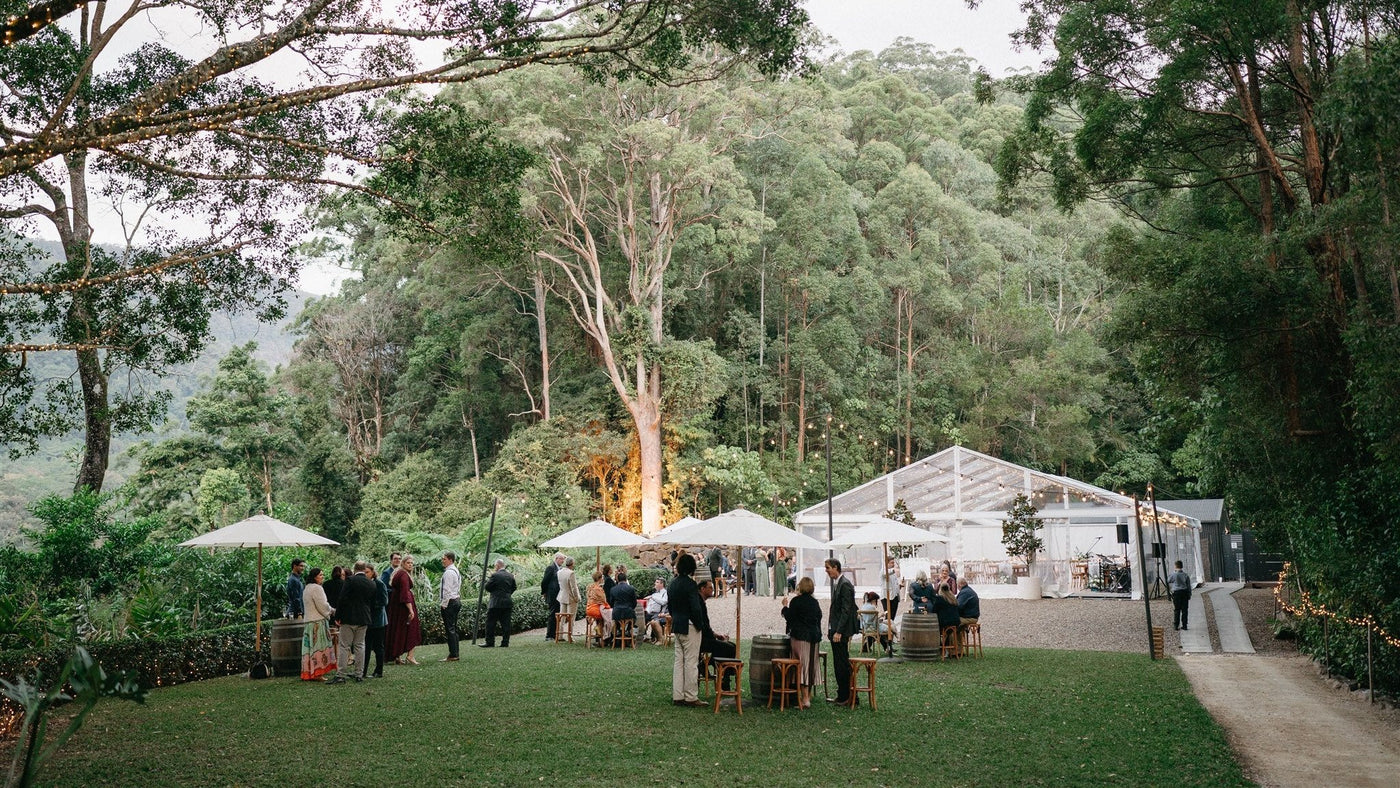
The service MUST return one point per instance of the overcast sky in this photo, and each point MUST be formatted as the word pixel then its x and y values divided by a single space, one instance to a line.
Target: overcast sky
pixel 984 33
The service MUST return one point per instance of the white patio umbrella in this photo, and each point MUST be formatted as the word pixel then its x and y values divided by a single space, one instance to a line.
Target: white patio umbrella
pixel 596 534
pixel 740 528
pixel 679 525
pixel 257 531
pixel 884 532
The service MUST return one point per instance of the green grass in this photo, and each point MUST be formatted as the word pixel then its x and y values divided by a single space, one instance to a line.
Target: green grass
pixel 539 713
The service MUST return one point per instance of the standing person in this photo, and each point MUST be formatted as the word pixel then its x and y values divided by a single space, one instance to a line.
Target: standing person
pixel 394 560
pixel 405 630
pixel 714 559
pixel 623 598
pixel 378 625
pixel 549 589
pixel 317 653
pixel 333 587
pixel 684 597
pixel 748 556
pixel 894 586
pixel 567 597
pixel 355 599
pixel 780 571
pixel 1179 584
pixel 804 625
pixel 761 574
pixel 295 608
pixel 608 581
pixel 500 585
pixel 841 626
pixel 450 600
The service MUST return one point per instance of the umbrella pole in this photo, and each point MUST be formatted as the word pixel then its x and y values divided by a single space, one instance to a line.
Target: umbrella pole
pixel 738 612
pixel 885 577
pixel 257 627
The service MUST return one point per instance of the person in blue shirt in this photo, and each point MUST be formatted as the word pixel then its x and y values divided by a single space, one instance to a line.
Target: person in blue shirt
pixel 295 587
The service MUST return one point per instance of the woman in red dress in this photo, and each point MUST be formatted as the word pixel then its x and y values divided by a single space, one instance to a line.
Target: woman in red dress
pixel 405 629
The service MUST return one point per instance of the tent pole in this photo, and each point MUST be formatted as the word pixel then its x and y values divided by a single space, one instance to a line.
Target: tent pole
pixel 739 612
pixel 481 589
pixel 1142 563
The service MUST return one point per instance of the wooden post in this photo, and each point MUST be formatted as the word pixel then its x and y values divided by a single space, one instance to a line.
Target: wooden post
pixel 257 628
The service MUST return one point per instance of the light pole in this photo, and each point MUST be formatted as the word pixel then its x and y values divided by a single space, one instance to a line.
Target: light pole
pixel 826 438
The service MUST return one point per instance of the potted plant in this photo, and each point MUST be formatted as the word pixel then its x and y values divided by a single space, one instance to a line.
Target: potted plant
pixel 1020 534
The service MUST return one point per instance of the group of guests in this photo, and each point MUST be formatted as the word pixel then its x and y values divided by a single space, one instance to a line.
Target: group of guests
pixel 947 596
pixel 607 600
pixel 764 570
pixel 356 612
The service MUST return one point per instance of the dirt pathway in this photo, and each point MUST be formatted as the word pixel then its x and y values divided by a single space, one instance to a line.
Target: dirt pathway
pixel 1289 728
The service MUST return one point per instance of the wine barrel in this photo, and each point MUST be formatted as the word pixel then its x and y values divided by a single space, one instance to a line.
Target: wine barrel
pixel 919 639
pixel 762 651
pixel 286 646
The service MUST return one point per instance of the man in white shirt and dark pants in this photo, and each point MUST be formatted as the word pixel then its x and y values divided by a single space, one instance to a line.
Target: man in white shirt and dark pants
pixel 450 600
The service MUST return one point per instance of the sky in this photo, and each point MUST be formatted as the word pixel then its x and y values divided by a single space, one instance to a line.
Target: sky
pixel 983 33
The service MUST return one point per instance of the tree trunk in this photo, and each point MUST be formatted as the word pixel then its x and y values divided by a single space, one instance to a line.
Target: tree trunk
pixel 541 329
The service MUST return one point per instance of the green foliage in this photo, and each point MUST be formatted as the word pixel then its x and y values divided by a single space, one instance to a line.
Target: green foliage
pixel 737 476
pixel 89 683
pixel 1020 530
pixel 222 498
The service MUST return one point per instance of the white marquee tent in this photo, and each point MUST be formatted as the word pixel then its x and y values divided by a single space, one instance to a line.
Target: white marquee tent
pixel 964 495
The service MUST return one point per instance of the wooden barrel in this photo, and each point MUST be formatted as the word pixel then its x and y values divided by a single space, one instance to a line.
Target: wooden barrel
pixel 286 646
pixel 919 638
pixel 762 651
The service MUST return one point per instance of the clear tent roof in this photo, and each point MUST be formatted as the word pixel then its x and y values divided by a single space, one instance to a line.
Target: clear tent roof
pixel 962 484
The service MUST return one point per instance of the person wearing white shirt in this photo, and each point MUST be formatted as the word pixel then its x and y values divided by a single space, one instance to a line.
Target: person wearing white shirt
pixel 450 600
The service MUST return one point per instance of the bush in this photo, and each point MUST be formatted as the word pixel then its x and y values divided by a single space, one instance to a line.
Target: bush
pixel 529 612
pixel 157 662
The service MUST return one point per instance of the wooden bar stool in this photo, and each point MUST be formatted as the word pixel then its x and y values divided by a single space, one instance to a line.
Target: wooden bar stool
pixel 563 627
pixel 869 664
pixel 950 643
pixel 972 640
pixel 623 636
pixel 592 629
pixel 705 676
pixel 784 682
pixel 826 692
pixel 725 667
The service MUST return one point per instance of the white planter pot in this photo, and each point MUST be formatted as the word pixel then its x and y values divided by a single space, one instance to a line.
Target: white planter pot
pixel 1029 587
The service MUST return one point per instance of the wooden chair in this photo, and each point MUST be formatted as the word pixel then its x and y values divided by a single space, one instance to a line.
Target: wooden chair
pixel 972 640
pixel 724 667
pixel 563 627
pixel 784 682
pixel 623 634
pixel 869 687
pixel 951 647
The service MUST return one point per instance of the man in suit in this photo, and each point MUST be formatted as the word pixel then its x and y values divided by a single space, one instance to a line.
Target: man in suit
pixel 714 559
pixel 394 561
pixel 717 646
pixel 355 597
pixel 500 585
pixel 684 598
pixel 450 600
pixel 375 635
pixel 549 589
pixel 295 587
pixel 841 626
pixel 623 598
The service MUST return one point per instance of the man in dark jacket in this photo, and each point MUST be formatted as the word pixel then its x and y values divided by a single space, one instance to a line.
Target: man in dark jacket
pixel 841 626
pixel 500 585
pixel 623 598
pixel 684 598
pixel 295 586
pixel 969 606
pixel 375 635
pixel 717 646
pixel 549 589
pixel 353 612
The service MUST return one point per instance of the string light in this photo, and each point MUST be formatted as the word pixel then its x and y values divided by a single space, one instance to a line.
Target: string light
pixel 1307 607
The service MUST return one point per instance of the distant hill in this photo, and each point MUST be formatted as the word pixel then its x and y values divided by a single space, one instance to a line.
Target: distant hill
pixel 53 467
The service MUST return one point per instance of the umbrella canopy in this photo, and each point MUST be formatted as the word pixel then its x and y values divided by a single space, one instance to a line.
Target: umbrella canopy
pixel 679 525
pixel 741 528
pixel 886 531
pixel 596 533
pixel 257 531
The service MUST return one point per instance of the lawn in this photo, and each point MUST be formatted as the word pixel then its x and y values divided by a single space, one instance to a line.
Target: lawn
pixel 540 713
